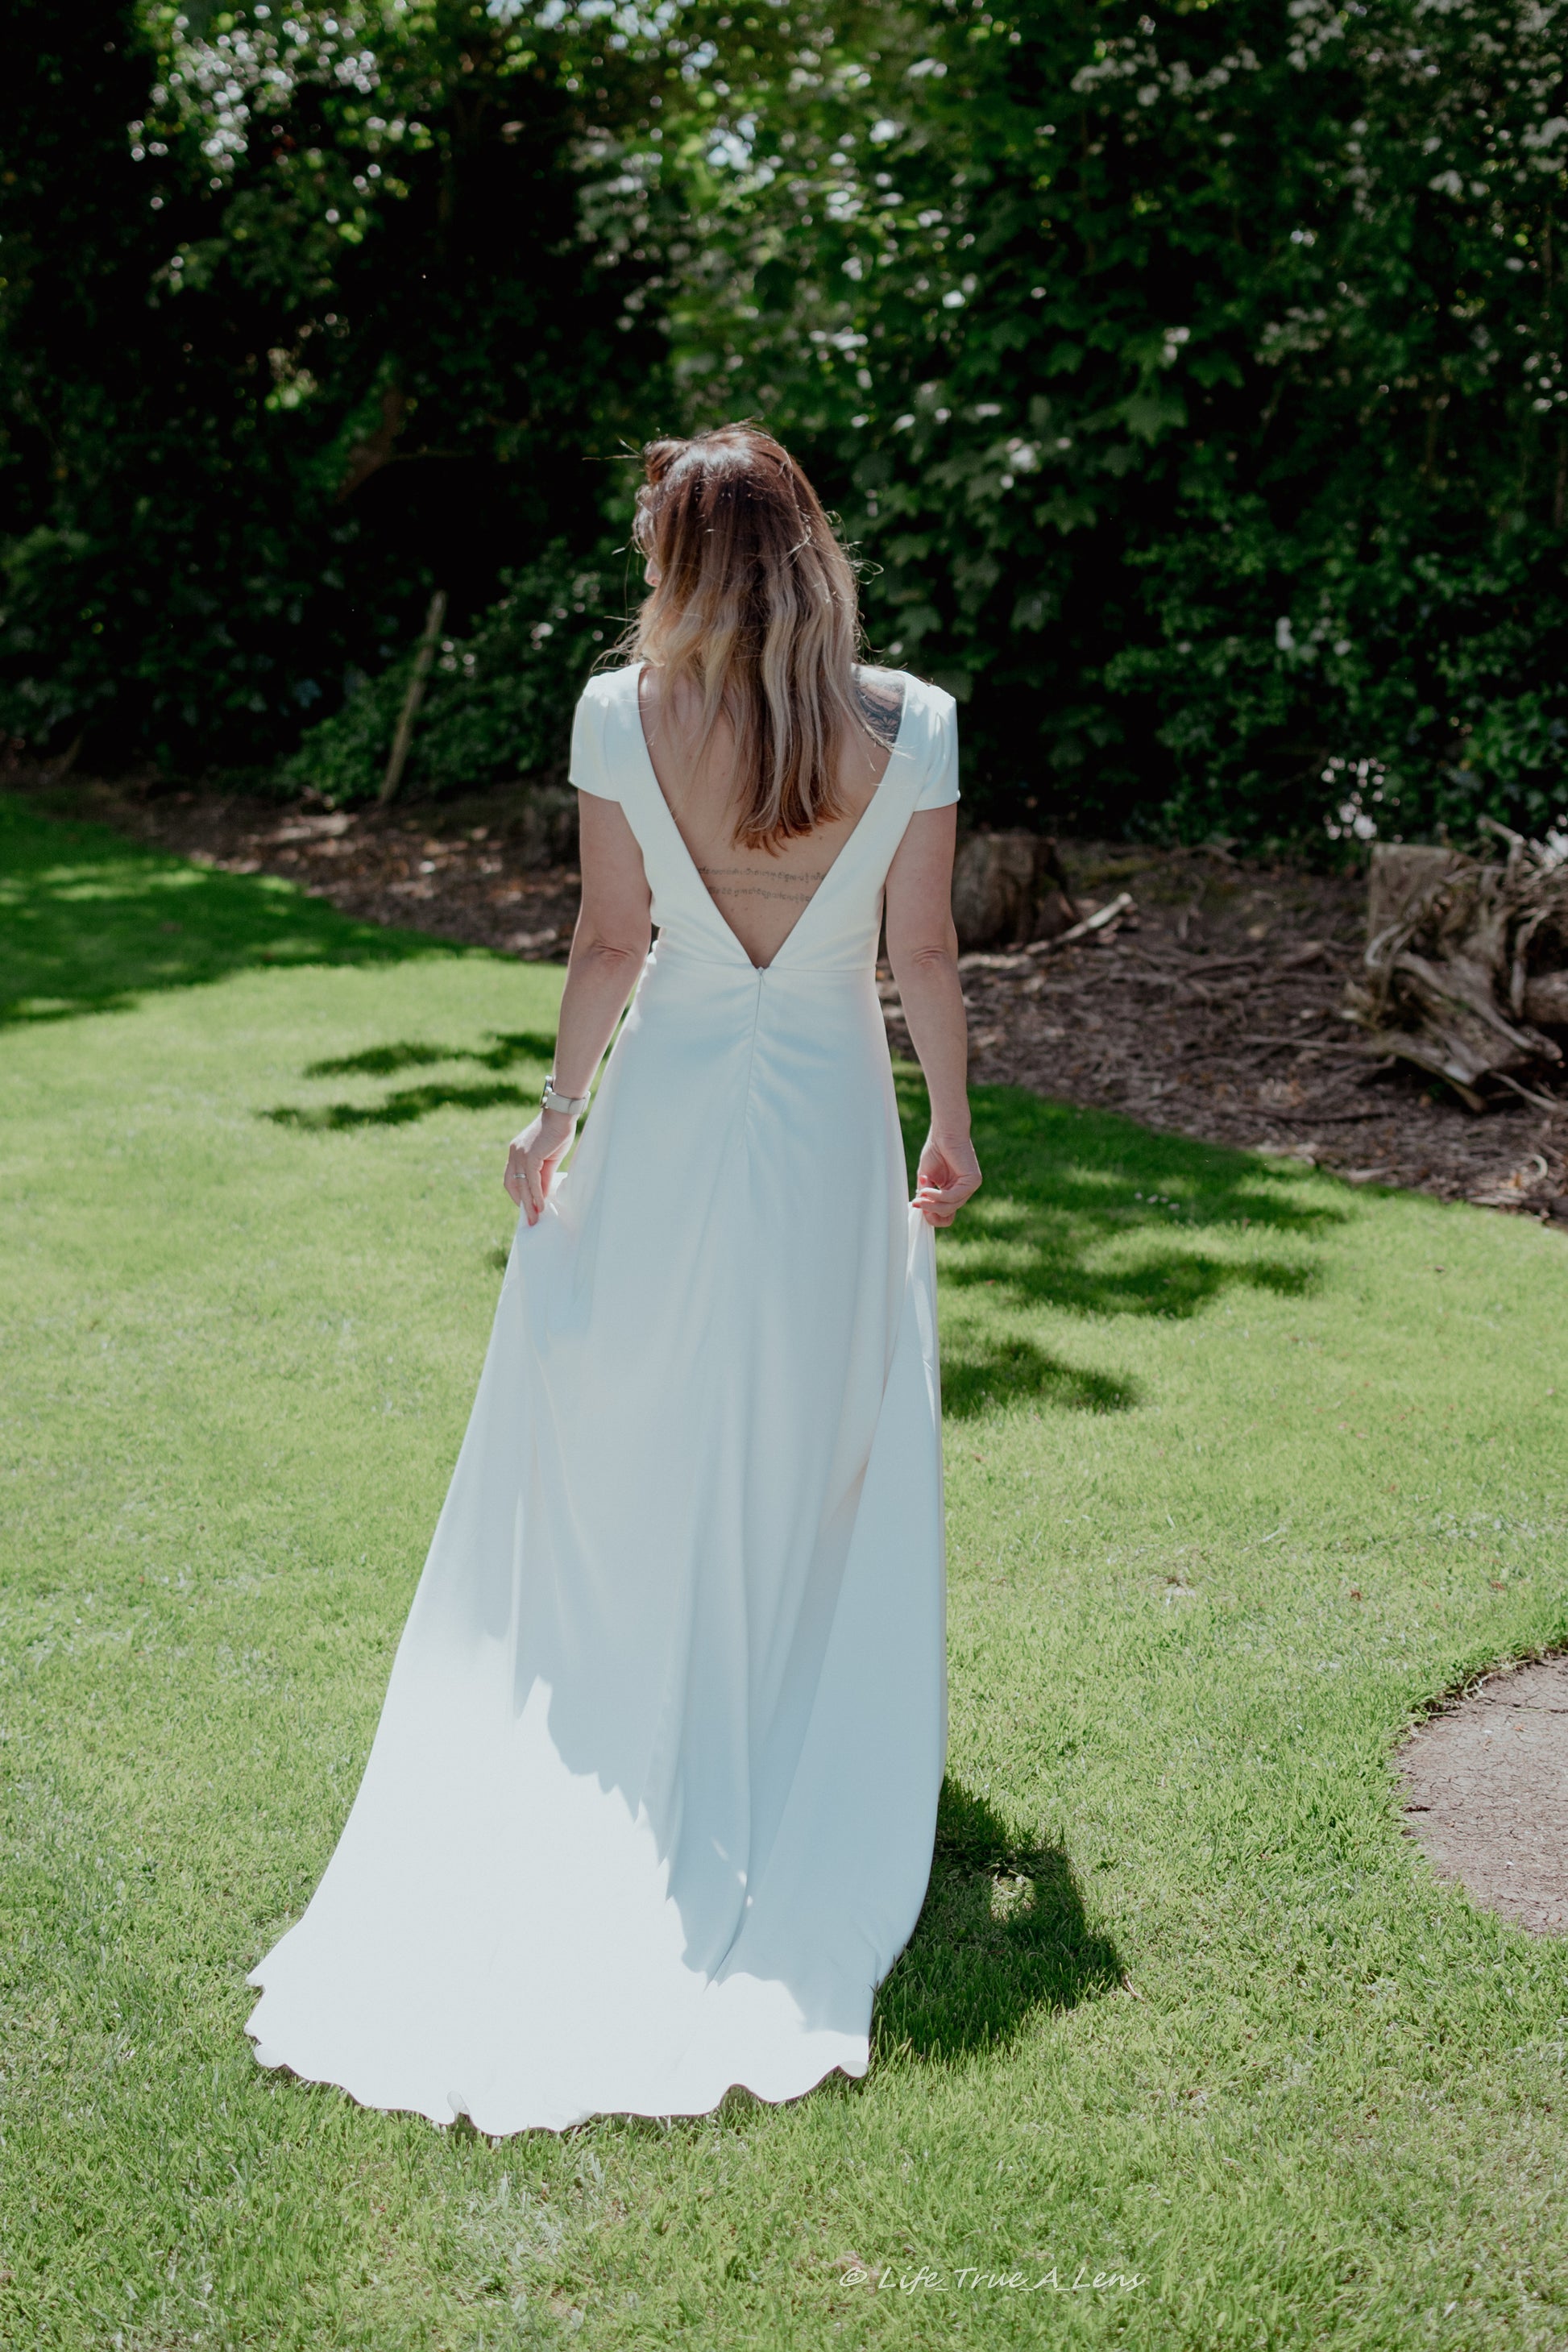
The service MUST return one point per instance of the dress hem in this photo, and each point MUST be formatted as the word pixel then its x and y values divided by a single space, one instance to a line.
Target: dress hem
pixel 498 2130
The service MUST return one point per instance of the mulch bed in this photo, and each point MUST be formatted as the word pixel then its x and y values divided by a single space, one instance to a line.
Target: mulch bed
pixel 1214 1009
pixel 1209 1007
pixel 458 874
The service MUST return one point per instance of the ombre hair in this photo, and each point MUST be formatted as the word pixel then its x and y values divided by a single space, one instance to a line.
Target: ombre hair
pixel 755 606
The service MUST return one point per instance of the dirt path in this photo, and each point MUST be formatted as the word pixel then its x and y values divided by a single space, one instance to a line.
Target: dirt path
pixel 1210 1007
pixel 1486 1792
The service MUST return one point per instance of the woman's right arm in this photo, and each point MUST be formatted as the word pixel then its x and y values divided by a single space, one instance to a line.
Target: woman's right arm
pixel 615 924
pixel 923 948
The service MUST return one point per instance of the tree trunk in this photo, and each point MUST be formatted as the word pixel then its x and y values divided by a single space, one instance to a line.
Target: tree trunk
pixel 1009 888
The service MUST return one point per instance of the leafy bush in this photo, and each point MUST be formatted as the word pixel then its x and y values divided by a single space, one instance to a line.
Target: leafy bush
pixel 305 313
pixel 499 701
pixel 1198 385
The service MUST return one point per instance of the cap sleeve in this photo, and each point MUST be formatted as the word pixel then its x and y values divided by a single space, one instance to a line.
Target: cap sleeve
pixel 939 788
pixel 590 768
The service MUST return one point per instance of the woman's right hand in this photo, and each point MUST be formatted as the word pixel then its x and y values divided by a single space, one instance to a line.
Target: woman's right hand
pixel 948 1175
pixel 531 1161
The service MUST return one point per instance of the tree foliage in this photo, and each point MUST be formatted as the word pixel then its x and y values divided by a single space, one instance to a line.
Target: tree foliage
pixel 306 312
pixel 1198 386
pixel 1194 386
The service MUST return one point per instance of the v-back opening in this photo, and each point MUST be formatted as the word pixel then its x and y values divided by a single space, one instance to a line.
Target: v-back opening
pixel 830 871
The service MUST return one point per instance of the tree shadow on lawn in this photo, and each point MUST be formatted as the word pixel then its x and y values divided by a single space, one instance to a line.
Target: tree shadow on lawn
pixel 978 1375
pixel 92 923
pixel 409 1103
pixel 1085 1211
pixel 384 1061
pixel 1002 1932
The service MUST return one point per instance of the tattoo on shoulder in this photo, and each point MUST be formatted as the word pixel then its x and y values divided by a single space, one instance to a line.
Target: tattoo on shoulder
pixel 881 700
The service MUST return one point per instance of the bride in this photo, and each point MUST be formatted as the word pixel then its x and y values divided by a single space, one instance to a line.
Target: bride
pixel 650 1807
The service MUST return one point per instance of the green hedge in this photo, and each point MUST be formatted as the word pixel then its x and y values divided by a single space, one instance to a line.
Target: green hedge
pixel 1196 381
pixel 304 315
pixel 1194 386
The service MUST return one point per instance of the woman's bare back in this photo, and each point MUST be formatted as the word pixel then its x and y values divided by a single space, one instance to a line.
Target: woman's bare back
pixel 760 893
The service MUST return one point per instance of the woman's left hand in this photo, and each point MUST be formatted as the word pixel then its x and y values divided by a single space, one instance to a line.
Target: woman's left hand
pixel 531 1161
pixel 948 1174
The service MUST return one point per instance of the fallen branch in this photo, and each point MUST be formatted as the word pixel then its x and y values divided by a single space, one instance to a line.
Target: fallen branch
pixel 1209 965
pixel 1179 967
pixel 423 660
pixel 1322 1117
pixel 1097 921
pixel 1541 1102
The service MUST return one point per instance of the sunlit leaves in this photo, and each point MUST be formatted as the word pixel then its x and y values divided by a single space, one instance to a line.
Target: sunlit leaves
pixel 1286 282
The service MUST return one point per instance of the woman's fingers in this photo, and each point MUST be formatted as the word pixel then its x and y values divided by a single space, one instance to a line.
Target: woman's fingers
pixel 939 1201
pixel 518 1183
pixel 531 1167
pixel 536 1178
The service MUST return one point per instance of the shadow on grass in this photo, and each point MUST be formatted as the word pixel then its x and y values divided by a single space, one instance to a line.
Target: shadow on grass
pixel 1085 1213
pixel 975 1377
pixel 91 923
pixel 410 1103
pixel 385 1061
pixel 1067 1190
pixel 1002 1933
pixel 399 1109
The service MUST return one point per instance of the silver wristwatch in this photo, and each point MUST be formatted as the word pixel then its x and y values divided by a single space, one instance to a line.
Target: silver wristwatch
pixel 568 1106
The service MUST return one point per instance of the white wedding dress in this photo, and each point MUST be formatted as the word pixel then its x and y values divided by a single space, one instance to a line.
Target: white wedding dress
pixel 650 1807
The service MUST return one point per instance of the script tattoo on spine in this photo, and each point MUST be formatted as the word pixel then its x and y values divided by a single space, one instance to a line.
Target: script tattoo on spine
pixel 722 882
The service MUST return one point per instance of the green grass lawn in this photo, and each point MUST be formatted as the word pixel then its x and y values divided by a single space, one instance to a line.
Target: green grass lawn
pixel 1246 1468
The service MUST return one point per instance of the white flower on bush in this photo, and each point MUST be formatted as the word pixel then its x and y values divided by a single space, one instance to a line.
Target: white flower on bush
pixel 1363 780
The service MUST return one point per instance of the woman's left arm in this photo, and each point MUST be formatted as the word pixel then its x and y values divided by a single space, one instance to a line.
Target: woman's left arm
pixel 615 924
pixel 923 948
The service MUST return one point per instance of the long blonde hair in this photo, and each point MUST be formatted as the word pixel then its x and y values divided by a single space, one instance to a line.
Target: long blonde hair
pixel 755 606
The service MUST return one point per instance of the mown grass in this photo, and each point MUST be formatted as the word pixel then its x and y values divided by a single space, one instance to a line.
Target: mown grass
pixel 1246 1468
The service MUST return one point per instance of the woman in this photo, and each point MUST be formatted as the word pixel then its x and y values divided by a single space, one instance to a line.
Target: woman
pixel 650 1807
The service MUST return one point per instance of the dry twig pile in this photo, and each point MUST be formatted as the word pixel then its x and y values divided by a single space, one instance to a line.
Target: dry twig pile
pixel 1466 969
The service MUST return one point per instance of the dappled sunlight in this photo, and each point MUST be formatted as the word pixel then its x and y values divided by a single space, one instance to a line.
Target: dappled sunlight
pixel 107 924
pixel 1070 1263
pixel 981 1369
pixel 1086 1214
pixel 385 1061
pixel 398 1109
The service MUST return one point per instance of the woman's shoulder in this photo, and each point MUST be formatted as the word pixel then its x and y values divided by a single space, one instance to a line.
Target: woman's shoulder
pixel 601 733
pixel 926 742
pixel 935 701
pixel 901 690
pixel 609 689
